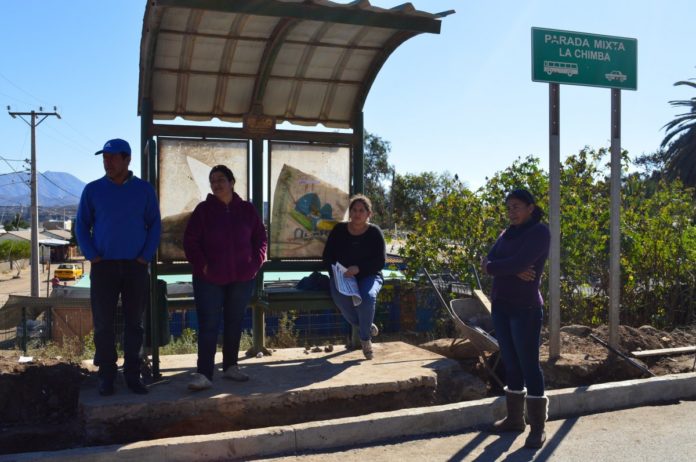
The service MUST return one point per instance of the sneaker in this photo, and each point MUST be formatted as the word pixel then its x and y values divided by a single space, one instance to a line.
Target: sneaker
pixel 374 331
pixel 233 373
pixel 199 382
pixel 367 349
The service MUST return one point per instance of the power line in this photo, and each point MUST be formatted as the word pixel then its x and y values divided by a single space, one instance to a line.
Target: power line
pixel 7 161
pixel 54 184
pixel 20 88
pixel 26 183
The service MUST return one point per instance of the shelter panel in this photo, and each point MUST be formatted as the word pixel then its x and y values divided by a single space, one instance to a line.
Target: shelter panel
pixel 184 166
pixel 309 190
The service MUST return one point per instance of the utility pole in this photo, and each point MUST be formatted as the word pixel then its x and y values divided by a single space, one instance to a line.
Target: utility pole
pixel 33 123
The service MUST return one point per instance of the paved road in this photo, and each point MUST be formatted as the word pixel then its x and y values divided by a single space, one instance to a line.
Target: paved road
pixel 654 433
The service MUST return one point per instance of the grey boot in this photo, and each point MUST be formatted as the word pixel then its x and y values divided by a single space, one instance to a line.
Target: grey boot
pixel 537 413
pixel 367 349
pixel 514 421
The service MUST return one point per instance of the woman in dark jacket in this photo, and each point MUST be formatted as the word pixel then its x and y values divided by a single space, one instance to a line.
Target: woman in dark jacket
pixel 225 242
pixel 516 263
pixel 359 246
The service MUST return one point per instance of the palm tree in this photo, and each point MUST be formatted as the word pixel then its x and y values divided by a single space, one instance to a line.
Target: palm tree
pixel 680 141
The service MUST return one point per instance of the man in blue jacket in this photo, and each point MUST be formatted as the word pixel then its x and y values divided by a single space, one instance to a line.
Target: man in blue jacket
pixel 118 230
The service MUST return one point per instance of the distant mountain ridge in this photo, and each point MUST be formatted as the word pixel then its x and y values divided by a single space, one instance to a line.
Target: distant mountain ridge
pixel 56 189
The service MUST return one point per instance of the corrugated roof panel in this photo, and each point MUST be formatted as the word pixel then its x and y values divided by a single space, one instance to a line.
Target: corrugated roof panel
pixel 306 61
pixel 200 97
pixel 357 65
pixel 322 64
pixel 216 23
pixel 174 18
pixel 238 95
pixel 288 60
pixel 164 85
pixel 375 37
pixel 168 51
pixel 276 96
pixel 259 26
pixel 342 34
pixel 207 53
pixel 343 97
pixel 310 96
pixel 246 57
pixel 304 31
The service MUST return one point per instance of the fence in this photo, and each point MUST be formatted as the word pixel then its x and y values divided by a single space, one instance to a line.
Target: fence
pixel 401 307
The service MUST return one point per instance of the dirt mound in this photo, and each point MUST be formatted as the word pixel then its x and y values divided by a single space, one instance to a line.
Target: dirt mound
pixel 38 404
pixel 585 361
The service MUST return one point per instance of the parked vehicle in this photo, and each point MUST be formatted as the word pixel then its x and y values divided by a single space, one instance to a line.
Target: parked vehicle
pixel 68 271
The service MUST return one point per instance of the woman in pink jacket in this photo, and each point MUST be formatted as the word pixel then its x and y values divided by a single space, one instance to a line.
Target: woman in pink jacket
pixel 225 241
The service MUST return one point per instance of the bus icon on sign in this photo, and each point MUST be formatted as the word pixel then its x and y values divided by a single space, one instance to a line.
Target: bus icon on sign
pixel 616 75
pixel 557 67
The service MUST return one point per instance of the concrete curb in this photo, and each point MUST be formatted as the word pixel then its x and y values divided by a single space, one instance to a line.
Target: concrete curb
pixel 377 427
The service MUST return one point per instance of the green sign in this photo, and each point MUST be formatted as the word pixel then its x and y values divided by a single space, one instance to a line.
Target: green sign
pixel 578 58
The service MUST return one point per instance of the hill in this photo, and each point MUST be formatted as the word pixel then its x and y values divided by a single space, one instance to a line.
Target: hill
pixel 56 189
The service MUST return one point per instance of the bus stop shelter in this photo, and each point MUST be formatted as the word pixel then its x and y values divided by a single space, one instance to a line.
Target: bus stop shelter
pixel 219 77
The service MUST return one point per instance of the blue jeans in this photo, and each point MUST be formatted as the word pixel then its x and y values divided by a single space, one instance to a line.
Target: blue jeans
pixel 211 299
pixel 363 315
pixel 518 331
pixel 108 280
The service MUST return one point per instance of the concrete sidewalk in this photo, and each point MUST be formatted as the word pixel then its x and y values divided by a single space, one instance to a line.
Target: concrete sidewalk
pixel 291 386
pixel 378 426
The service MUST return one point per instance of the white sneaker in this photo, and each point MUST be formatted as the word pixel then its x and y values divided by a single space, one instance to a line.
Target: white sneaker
pixel 367 348
pixel 233 373
pixel 374 331
pixel 199 382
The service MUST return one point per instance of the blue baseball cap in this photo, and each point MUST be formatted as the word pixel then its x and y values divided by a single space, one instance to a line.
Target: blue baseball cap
pixel 115 146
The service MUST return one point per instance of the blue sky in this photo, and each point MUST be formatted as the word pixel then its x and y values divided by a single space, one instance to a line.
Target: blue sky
pixel 462 101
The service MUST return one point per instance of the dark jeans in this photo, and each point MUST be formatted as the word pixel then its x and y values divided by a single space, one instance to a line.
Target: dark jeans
pixel 108 280
pixel 518 330
pixel 232 299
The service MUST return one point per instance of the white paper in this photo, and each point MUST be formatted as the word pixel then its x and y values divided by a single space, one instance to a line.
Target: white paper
pixel 25 359
pixel 346 285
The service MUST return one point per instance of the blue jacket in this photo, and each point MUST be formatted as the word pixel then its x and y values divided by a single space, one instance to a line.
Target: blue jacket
pixel 118 222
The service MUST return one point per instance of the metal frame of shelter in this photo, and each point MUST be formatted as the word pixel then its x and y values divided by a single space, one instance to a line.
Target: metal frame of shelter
pixel 263 62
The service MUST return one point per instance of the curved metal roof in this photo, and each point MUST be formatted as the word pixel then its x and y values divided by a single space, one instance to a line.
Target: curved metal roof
pixel 308 62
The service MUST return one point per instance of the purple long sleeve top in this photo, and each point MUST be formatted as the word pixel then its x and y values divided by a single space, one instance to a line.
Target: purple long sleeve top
pixel 229 239
pixel 513 254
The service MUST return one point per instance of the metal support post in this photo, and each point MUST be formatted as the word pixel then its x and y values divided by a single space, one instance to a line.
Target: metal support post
pixel 614 221
pixel 554 223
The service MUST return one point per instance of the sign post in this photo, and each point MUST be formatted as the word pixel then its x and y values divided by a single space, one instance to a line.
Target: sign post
pixel 578 58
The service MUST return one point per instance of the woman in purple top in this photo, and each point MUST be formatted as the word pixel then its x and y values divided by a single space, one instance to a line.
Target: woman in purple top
pixel 225 241
pixel 516 263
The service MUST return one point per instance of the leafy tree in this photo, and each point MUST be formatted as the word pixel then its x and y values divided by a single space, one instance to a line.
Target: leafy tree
pixel 412 195
pixel 658 246
pixel 15 252
pixel 680 140
pixel 16 223
pixel 378 173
